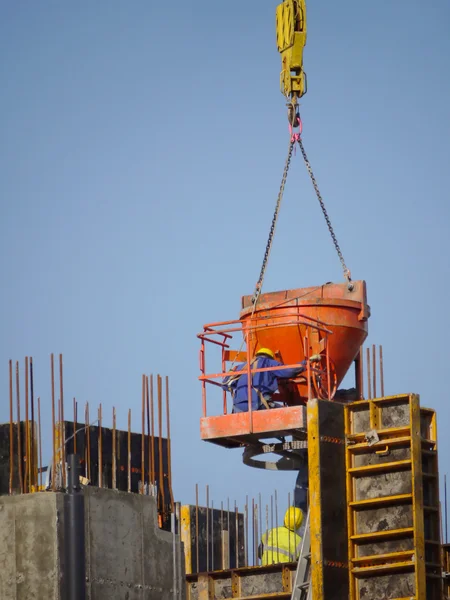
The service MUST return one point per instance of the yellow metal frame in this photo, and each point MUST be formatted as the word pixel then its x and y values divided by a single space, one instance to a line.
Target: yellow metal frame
pixel 315 500
pixel 291 39
pixel 185 531
pixel 419 435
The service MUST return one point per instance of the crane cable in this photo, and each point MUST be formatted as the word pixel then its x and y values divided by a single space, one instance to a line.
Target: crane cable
pixel 293 138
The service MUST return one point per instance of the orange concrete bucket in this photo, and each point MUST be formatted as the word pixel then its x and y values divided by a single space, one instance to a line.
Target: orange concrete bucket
pixel 295 324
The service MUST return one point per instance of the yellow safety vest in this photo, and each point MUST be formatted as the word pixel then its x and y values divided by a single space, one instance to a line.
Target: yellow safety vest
pixel 280 545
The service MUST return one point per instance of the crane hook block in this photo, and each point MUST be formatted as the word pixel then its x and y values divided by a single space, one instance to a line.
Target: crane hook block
pixel 291 39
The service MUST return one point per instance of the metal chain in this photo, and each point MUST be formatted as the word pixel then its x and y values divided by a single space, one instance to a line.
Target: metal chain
pixel 346 270
pixel 258 287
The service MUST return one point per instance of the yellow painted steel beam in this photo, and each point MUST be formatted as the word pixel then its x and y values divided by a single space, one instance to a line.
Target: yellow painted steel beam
pixel 186 538
pixel 315 501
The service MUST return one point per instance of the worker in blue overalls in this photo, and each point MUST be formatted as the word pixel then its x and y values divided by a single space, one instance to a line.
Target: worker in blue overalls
pixel 264 384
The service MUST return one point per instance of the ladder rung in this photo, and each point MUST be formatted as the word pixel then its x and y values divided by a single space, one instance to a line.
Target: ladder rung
pixel 386 568
pixel 380 558
pixel 398 465
pixel 433 565
pixel 383 535
pixel 429 452
pixel 429 475
pixel 384 501
pixel 431 508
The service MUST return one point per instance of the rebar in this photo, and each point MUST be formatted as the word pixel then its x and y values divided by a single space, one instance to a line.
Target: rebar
pixel 149 450
pixel 114 451
pixel 11 429
pixel 196 530
pixel 369 378
pixel 88 445
pixel 33 459
pixel 169 445
pixel 381 372
pixel 374 364
pixel 100 448
pixel 207 528
pixel 75 418
pixel 246 532
pixel 39 441
pixel 63 443
pixel 276 524
pixel 143 437
pixel 129 452
pixel 161 464
pixel 19 438
pixel 52 370
pixel 153 473
pixel 27 484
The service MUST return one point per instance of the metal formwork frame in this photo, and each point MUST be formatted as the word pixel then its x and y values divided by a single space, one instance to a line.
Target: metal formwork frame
pixel 414 440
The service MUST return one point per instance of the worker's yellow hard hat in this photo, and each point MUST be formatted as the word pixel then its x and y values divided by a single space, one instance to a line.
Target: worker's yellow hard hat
pixel 293 518
pixel 267 351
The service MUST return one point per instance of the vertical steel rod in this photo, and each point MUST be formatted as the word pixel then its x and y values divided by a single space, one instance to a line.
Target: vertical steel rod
pixel 197 554
pixel 361 372
pixel 276 524
pixel 266 534
pixel 129 452
pixel 11 429
pixel 149 449
pixel 369 377
pixel 253 531
pixel 52 369
pixel 246 532
pixel 169 444
pixel 143 437
pixel 160 432
pixel 445 508
pixel 207 528
pixel 289 528
pixel 75 418
pixel 33 458
pixel 271 526
pixel 229 534
pixel 40 441
pixel 236 513
pixel 381 372
pixel 212 535
pixel 27 483
pixel 19 437
pixel 374 365
pixel 63 429
pixel 152 415
pixel 100 448
pixel 114 451
pixel 88 423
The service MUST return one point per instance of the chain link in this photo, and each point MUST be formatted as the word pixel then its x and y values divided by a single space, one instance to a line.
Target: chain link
pixel 347 274
pixel 258 287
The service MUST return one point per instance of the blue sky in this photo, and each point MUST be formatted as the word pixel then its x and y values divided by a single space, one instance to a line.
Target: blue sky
pixel 143 145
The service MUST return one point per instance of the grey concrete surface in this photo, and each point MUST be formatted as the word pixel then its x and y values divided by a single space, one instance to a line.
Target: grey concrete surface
pixel 127 556
pixel 29 547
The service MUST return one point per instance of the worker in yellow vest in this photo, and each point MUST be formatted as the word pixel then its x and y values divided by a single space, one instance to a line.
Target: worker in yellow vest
pixel 282 544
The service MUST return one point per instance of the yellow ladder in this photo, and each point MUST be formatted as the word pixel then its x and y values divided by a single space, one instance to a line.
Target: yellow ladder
pixel 393 515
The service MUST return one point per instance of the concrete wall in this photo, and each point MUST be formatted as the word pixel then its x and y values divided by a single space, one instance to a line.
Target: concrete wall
pixel 127 556
pixel 29 547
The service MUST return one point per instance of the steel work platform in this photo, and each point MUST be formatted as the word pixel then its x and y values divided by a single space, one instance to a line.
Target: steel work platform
pixel 241 429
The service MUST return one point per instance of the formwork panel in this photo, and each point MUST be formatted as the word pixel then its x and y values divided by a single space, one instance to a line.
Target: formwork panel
pixel 393 500
pixel 326 464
